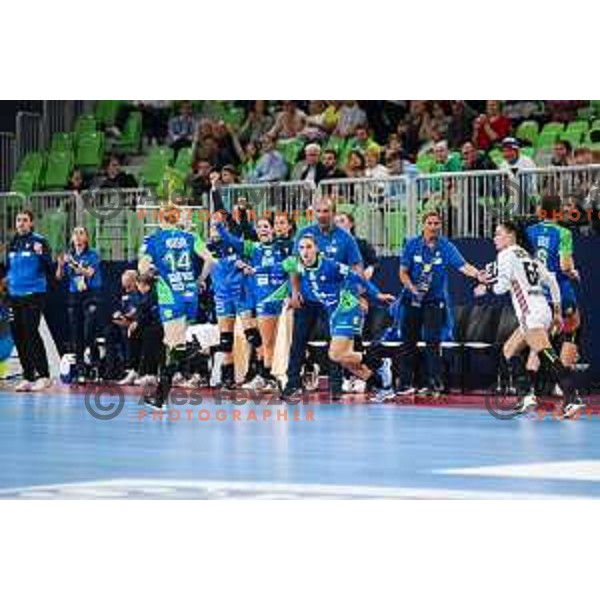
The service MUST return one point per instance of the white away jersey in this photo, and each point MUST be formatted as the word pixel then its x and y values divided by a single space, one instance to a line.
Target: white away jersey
pixel 524 277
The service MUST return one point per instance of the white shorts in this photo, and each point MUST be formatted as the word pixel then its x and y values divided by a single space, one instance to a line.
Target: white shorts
pixel 539 315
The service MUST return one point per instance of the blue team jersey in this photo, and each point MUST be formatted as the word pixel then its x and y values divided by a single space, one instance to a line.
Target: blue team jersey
pixel 28 264
pixel 336 244
pixel 550 242
pixel 265 258
pixel 428 266
pixel 173 253
pixel 79 283
pixel 329 282
pixel 228 279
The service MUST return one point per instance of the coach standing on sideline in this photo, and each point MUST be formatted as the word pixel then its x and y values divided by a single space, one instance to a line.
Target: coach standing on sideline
pixel 337 244
pixel 424 274
pixel 29 263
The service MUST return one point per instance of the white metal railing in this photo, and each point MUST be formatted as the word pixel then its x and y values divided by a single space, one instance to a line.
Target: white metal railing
pixel 386 211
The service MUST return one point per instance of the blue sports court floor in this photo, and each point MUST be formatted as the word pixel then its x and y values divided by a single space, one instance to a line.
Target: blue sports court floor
pixel 51 447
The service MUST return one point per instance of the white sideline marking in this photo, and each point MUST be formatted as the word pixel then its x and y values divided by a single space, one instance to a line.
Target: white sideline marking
pixel 138 488
pixel 575 470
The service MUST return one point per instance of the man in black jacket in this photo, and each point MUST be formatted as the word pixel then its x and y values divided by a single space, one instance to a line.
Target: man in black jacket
pixel 332 171
pixel 312 169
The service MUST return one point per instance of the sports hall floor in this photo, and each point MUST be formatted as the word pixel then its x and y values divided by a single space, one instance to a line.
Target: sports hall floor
pixel 51 447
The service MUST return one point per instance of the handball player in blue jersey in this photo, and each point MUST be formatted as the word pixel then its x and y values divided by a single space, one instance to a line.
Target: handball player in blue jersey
pixel 552 245
pixel 335 288
pixel 173 255
pixel 263 265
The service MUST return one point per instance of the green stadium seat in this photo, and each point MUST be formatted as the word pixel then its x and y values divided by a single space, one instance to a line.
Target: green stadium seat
pixel 183 164
pixel 57 170
pixel 496 156
pixel 33 163
pixel 528 151
pixel 85 124
pixel 595 106
pixel 581 127
pixel 337 144
pixel 573 137
pixel 425 162
pixel 153 169
pixel 291 150
pixel 395 226
pixel 234 116
pixel 553 126
pixel 62 142
pixel 528 130
pixel 90 149
pixel 106 111
pixel 23 183
pixel 53 225
pixel 131 136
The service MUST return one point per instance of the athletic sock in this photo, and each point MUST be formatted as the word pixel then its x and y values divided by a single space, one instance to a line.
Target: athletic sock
pixel 561 374
pixel 227 374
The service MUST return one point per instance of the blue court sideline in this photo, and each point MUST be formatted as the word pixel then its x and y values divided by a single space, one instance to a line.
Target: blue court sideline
pixel 52 448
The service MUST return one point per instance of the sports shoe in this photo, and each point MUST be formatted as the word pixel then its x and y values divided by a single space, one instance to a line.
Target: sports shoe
pixel 381 395
pixel 385 372
pixel 529 403
pixel 155 403
pixel 405 390
pixel 41 384
pixel 129 378
pixel 348 385
pixel 195 381
pixel 573 408
pixel 290 393
pixel 359 386
pixel 310 380
pixel 178 380
pixel 24 386
pixel 145 380
pixel 271 385
pixel 257 383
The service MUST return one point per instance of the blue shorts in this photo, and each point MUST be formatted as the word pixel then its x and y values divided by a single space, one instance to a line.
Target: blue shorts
pixel 346 323
pixel 183 307
pixel 269 309
pixel 229 308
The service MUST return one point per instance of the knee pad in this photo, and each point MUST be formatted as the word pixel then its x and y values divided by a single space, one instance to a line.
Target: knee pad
pixel 226 343
pixel 253 337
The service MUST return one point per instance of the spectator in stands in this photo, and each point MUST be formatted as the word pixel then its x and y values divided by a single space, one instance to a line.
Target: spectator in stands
pixel 444 161
pixel 351 115
pixel 76 181
pixel 182 128
pixel 563 111
pixel 249 159
pixel 415 129
pixel 328 119
pixel 257 123
pixel 562 154
pixel 490 127
pixel 513 159
pixel 155 118
pixel 286 121
pixel 437 123
pixel 229 175
pixel 271 166
pixel 460 126
pixel 218 151
pixel 474 160
pixel 311 168
pixel 582 156
pixel 198 180
pixel 374 169
pixel 362 140
pixel 355 167
pixel 115 177
pixel 332 171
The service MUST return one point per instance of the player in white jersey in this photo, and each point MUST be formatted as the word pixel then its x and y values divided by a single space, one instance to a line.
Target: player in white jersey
pixel 523 276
